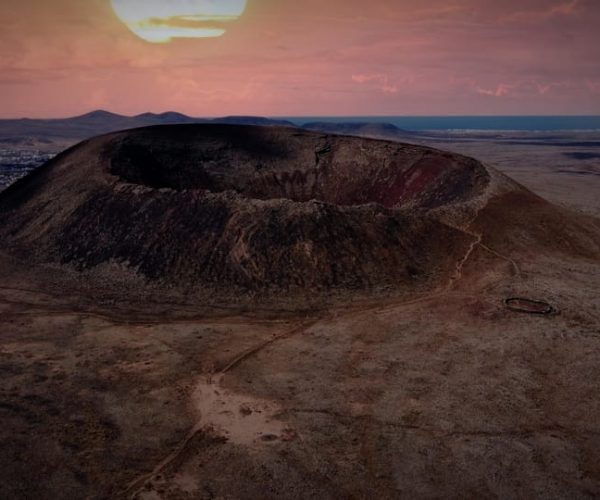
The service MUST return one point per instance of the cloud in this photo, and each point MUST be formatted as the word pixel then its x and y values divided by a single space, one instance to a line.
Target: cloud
pixel 593 86
pixel 563 8
pixel 390 56
pixel 528 87
pixel 500 91
pixel 381 79
pixel 159 21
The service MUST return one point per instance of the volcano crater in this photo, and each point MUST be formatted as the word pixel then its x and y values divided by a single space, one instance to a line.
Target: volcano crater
pixel 227 207
pixel 275 163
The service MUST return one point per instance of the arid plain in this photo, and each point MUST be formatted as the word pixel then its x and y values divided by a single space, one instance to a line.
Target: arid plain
pixel 423 385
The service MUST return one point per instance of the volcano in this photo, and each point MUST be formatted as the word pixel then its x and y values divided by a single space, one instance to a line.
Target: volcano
pixel 202 311
pixel 257 208
pixel 231 209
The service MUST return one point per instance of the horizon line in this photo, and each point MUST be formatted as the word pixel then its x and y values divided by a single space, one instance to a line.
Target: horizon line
pixel 283 116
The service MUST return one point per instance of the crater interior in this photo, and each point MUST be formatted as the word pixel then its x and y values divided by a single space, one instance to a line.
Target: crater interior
pixel 272 163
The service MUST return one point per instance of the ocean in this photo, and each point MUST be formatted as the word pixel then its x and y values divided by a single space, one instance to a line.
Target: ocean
pixel 469 123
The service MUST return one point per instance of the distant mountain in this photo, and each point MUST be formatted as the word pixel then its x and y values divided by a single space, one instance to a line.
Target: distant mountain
pixel 63 132
pixel 58 134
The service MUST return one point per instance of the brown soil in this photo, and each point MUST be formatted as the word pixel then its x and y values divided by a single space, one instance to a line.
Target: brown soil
pixel 121 383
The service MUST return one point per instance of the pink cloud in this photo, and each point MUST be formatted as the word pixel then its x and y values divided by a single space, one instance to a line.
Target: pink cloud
pixel 593 86
pixel 381 79
pixel 523 88
pixel 289 58
pixel 566 8
pixel 563 8
pixel 501 90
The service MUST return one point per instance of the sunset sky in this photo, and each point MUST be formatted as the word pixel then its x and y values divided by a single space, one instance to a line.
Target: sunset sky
pixel 308 57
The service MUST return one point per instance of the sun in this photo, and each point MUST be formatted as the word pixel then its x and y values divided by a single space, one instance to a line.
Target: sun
pixel 160 21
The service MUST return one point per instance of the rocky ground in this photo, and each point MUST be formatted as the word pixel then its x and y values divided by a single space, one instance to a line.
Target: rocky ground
pixel 441 391
pixel 446 394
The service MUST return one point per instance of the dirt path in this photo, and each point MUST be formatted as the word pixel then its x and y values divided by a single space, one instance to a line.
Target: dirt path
pixel 254 350
pixel 516 268
pixel 241 418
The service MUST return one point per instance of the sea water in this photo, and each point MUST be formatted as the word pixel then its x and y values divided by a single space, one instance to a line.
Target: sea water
pixel 467 123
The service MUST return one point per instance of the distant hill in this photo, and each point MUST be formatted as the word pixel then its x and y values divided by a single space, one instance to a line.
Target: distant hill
pixel 367 129
pixel 58 134
pixel 167 118
pixel 252 120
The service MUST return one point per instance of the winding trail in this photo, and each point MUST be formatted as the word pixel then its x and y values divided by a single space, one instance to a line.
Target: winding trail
pixel 458 273
pixel 254 350
pixel 516 268
pixel 216 379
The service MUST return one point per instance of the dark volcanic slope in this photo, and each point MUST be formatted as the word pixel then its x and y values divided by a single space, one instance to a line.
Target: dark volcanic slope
pixel 257 207
pixel 245 208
